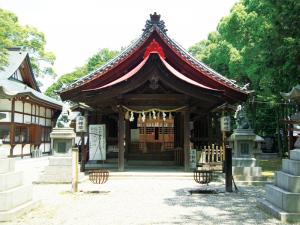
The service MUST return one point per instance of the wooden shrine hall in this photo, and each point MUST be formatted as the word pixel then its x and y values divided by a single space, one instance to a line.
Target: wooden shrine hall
pixel 155 99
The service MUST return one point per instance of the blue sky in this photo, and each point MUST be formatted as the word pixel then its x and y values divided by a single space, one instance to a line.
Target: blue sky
pixel 77 29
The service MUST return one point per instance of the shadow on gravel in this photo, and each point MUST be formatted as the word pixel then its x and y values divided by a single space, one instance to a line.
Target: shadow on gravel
pixel 221 208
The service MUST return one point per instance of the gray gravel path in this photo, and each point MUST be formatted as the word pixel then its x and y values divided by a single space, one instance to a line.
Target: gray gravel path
pixel 144 201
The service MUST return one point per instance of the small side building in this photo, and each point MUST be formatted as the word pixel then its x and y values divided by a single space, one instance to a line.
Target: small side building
pixel 26 115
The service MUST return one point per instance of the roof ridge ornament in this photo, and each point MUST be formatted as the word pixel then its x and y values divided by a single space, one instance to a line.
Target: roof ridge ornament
pixel 154 47
pixel 155 21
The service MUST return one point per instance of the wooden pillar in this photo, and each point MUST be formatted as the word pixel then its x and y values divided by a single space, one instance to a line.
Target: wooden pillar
pixel 186 139
pixel 127 137
pixel 12 128
pixel 121 133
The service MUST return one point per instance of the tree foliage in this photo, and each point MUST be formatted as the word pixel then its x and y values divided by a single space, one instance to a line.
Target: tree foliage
pixel 258 43
pixel 94 62
pixel 12 34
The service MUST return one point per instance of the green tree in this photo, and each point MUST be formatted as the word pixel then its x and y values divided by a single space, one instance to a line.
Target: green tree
pixel 258 43
pixel 29 39
pixel 94 62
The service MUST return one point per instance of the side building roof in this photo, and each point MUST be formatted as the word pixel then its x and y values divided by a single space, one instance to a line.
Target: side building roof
pixel 10 87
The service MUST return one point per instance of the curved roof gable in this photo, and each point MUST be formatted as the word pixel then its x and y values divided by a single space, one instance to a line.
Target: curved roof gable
pixel 134 54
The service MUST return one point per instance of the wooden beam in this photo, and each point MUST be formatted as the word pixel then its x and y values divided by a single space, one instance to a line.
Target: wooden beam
pixel 121 133
pixel 12 128
pixel 186 139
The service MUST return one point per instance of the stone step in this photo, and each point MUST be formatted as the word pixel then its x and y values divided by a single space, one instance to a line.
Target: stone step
pixel 54 178
pixel 7 165
pixel 246 171
pixel 295 154
pixel 288 201
pixel 58 169
pixel 60 161
pixel 244 162
pixel 287 181
pixel 277 212
pixel 19 210
pixel 14 197
pixel 249 178
pixel 10 180
pixel 150 163
pixel 291 166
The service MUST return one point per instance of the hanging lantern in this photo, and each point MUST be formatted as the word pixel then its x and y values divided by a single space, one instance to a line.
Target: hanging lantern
pixel 170 116
pixel 150 117
pixel 143 117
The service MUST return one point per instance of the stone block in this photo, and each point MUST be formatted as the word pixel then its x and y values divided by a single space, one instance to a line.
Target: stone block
pixel 7 165
pixel 19 210
pixel 246 171
pixel 291 166
pixel 295 154
pixel 10 180
pixel 14 197
pixel 288 201
pixel 277 212
pixel 244 162
pixel 287 181
pixel 60 161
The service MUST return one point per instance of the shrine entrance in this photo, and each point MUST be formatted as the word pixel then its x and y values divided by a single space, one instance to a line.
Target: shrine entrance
pixel 155 100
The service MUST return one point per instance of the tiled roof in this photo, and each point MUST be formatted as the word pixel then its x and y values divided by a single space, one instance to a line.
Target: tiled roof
pixel 10 87
pixel 155 24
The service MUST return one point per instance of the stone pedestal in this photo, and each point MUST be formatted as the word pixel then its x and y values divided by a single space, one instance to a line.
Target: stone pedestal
pixel 246 145
pixel 59 169
pixel 283 197
pixel 15 197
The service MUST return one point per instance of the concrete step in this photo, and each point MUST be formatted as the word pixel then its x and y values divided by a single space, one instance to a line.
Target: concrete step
pixel 149 163
pixel 10 180
pixel 14 197
pixel 295 154
pixel 280 214
pixel 291 166
pixel 7 165
pixel 244 162
pixel 287 181
pixel 19 210
pixel 246 171
pixel 60 161
pixel 249 178
pixel 288 201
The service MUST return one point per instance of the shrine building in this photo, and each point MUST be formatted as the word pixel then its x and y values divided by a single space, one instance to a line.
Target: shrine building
pixel 26 115
pixel 155 99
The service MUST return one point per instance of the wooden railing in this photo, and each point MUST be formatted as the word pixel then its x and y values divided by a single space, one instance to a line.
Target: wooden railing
pixel 212 157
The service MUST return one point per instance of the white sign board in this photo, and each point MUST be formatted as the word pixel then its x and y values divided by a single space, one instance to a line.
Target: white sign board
pixel 97 142
pixel 81 125
pixel 193 158
pixel 225 123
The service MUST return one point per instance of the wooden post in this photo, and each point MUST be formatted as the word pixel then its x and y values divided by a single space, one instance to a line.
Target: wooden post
pixel 12 128
pixel 228 169
pixel 121 133
pixel 186 139
pixel 74 169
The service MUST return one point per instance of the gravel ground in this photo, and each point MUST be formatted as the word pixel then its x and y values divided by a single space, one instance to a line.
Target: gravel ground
pixel 148 200
pixel 144 201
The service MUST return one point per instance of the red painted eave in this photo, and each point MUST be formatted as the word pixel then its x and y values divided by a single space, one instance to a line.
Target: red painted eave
pixel 171 69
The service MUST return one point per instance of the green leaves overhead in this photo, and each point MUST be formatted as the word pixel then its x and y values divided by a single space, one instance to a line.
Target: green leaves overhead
pixel 259 43
pixel 12 34
pixel 93 63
